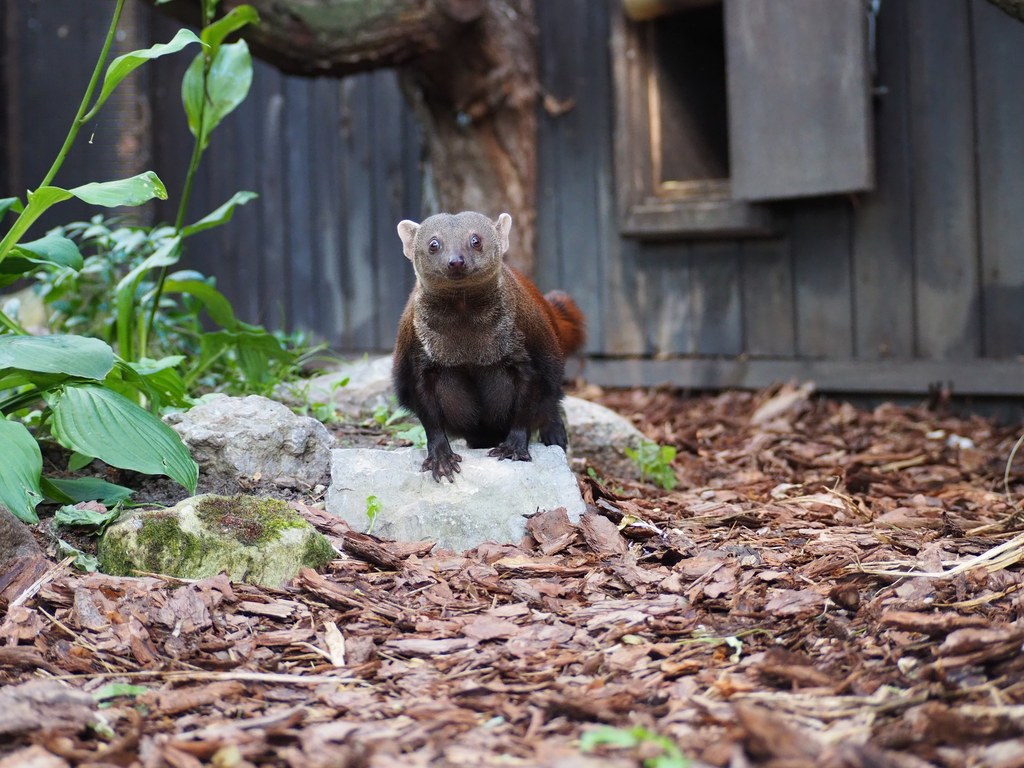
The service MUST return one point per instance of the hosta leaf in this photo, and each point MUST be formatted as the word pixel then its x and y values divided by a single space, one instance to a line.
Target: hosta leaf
pixel 224 89
pixel 52 249
pixel 8 204
pixel 127 63
pixel 71 355
pixel 38 203
pixel 19 471
pixel 158 380
pixel 132 191
pixel 232 21
pixel 78 489
pixel 215 302
pixel 221 215
pixel 98 422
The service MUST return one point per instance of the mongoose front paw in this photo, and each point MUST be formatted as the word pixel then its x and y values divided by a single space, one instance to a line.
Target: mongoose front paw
pixel 554 434
pixel 510 451
pixel 443 465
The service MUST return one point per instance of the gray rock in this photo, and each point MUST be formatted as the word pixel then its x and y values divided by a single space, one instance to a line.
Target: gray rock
pixel 16 539
pixel 368 388
pixel 255 540
pixel 487 501
pixel 40 704
pixel 600 435
pixel 246 437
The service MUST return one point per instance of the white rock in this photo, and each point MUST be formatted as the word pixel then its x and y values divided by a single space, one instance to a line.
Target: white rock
pixel 233 437
pixel 600 435
pixel 487 502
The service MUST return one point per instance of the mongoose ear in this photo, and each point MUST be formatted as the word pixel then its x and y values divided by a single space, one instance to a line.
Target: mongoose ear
pixel 503 227
pixel 407 231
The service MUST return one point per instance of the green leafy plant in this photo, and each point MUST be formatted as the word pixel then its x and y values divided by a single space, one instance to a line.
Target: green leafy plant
pixel 77 390
pixel 69 516
pixel 391 417
pixel 669 755
pixel 655 463
pixel 238 358
pixel 106 695
pixel 373 508
pixel 324 410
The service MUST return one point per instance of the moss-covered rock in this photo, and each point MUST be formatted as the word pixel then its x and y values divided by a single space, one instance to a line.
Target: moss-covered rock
pixel 252 539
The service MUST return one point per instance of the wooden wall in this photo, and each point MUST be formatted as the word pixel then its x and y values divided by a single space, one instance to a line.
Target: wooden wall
pixel 920 281
pixel 914 283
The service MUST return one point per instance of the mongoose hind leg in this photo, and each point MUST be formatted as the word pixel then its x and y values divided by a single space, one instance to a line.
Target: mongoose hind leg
pixel 515 447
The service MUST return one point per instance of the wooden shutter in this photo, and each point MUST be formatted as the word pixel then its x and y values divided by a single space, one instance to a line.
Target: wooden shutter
pixel 799 97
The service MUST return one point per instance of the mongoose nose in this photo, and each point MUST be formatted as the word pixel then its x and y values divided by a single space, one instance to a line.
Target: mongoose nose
pixel 456 264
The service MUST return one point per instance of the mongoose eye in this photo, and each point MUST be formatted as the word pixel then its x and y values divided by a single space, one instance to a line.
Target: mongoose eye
pixel 434 245
pixel 476 242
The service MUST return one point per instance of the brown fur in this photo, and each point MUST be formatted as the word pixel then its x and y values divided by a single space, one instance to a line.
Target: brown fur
pixel 480 352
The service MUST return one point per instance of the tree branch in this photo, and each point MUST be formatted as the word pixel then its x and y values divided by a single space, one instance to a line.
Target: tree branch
pixel 342 37
pixel 1013 7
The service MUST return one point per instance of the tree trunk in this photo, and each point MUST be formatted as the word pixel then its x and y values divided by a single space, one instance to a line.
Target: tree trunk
pixel 468 67
pixel 1013 7
pixel 477 105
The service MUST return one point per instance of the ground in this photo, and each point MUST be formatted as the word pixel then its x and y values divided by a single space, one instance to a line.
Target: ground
pixel 826 586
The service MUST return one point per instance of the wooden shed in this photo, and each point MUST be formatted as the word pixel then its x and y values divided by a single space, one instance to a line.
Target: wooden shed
pixel 737 193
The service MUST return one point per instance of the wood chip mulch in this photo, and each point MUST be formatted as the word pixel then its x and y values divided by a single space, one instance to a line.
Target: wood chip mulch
pixel 826 586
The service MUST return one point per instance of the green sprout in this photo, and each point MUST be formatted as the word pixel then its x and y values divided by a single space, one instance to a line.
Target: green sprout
pixel 655 463
pixel 632 738
pixel 373 508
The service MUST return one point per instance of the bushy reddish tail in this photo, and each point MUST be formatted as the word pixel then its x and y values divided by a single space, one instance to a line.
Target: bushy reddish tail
pixel 570 325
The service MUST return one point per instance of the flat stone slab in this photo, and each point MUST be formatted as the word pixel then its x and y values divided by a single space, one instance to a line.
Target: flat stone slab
pixel 489 500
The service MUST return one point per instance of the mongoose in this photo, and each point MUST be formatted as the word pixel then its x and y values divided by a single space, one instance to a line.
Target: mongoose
pixel 480 352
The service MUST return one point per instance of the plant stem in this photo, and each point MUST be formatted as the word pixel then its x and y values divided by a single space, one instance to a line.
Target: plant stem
pixel 11 324
pixel 78 122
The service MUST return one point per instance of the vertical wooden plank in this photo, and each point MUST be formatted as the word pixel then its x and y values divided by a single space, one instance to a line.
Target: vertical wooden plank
pixel 624 312
pixel 716 296
pixel 574 159
pixel 389 184
pixel 273 227
pixel 412 172
pixel 224 161
pixel 999 50
pixel 943 181
pixel 766 268
pixel 243 231
pixel 326 208
pixel 359 272
pixel 8 73
pixel 551 72
pixel 664 296
pixel 883 270
pixel 300 114
pixel 624 293
pixel 608 244
pixel 820 235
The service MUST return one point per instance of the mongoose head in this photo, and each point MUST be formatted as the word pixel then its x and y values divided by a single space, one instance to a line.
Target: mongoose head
pixel 458 250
